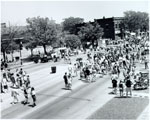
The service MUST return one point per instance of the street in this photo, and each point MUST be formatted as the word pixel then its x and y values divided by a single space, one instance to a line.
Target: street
pixel 54 102
pixel 75 60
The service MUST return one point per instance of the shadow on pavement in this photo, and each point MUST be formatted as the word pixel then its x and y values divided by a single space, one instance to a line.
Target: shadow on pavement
pixel 24 103
pixel 110 87
pixel 65 89
pixel 85 81
pixel 122 97
pixel 31 105
pixel 111 93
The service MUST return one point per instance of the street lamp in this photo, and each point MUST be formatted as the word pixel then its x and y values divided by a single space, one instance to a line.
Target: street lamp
pixel 21 46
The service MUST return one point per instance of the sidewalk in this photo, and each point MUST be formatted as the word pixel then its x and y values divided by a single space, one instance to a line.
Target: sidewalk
pixel 145 114
pixel 121 108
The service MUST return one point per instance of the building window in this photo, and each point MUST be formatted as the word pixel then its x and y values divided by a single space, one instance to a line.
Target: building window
pixel 116 25
pixel 107 26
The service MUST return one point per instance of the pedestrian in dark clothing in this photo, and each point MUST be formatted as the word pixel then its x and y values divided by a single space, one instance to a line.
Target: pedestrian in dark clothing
pixel 146 63
pixel 87 74
pixel 12 78
pixel 9 74
pixel 114 82
pixel 128 87
pixel 4 82
pixel 6 65
pixel 124 64
pixel 2 91
pixel 25 91
pixel 19 80
pixel 121 88
pixel 28 82
pixel 33 96
pixel 66 80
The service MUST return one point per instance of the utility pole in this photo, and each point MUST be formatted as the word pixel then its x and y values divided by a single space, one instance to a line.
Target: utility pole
pixel 21 53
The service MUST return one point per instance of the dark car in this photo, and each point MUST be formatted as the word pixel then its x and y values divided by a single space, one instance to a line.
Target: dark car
pixel 41 58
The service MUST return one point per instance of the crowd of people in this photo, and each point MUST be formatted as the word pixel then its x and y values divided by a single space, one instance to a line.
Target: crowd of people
pixel 14 82
pixel 117 60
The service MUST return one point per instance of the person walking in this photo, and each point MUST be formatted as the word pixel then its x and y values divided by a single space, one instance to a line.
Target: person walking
pixel 19 81
pixel 14 94
pixel 25 91
pixel 12 78
pixel 66 80
pixel 33 96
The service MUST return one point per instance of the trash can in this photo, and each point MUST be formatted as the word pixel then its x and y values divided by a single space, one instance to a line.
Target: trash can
pixel 53 69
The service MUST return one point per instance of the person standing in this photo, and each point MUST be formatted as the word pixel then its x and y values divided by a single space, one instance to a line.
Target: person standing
pixel 146 63
pixel 12 78
pixel 4 83
pixel 114 82
pixel 70 68
pixel 28 81
pixel 69 82
pixel 128 87
pixel 87 71
pixel 121 88
pixel 66 79
pixel 75 70
pixel 33 96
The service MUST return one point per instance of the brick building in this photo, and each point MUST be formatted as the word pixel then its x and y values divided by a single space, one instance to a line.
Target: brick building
pixel 112 27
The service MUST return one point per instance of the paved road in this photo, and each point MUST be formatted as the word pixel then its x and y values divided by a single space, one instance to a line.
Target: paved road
pixel 55 102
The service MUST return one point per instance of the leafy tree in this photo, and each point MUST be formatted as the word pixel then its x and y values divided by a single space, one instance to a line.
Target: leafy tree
pixel 70 23
pixel 8 40
pixel 30 43
pixel 42 30
pixel 90 32
pixel 136 21
pixel 60 37
pixel 72 41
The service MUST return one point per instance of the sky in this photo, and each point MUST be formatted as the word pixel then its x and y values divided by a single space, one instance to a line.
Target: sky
pixel 16 12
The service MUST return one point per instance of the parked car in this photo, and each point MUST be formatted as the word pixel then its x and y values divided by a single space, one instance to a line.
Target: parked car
pixel 41 58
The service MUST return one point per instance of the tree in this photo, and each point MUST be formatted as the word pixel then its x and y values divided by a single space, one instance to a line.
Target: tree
pixel 72 41
pixel 136 21
pixel 90 32
pixel 69 24
pixel 30 42
pixel 42 30
pixel 8 40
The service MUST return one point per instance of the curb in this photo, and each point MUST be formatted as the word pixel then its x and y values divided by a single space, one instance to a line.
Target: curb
pixel 17 66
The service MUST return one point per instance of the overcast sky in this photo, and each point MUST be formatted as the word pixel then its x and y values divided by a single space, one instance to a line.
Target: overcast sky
pixel 17 12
